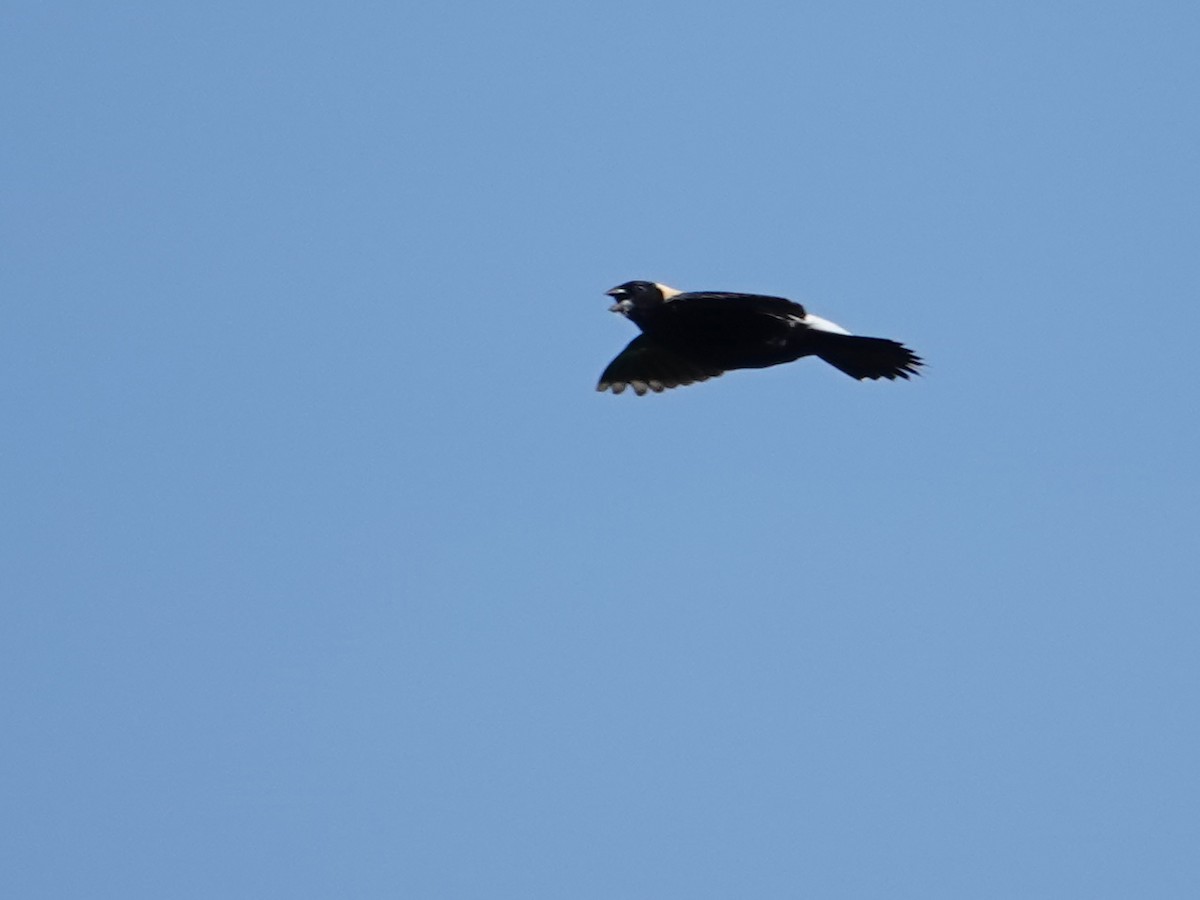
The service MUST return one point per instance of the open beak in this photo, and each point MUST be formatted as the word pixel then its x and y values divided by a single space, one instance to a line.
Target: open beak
pixel 623 304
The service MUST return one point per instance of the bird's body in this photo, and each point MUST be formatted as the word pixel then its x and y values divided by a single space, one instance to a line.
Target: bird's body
pixel 689 337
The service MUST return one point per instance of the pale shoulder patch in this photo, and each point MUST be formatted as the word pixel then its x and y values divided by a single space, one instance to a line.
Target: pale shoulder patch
pixel 816 323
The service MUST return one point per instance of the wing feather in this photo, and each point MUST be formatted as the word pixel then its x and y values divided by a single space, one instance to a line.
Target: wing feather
pixel 645 366
pixel 760 303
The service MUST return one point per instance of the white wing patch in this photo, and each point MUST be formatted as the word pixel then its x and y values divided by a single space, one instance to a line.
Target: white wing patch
pixel 816 323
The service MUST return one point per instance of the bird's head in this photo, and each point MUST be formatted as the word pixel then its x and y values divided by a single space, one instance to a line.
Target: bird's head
pixel 639 295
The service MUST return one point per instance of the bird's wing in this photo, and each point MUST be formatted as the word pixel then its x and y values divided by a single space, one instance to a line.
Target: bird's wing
pixel 759 303
pixel 648 366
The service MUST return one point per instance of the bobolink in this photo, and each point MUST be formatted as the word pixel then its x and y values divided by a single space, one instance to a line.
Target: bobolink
pixel 698 335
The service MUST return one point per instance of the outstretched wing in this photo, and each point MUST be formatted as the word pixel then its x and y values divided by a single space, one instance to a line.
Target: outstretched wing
pixel 760 303
pixel 648 366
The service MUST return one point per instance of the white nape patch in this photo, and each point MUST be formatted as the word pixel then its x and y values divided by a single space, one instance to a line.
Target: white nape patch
pixel 667 292
pixel 816 323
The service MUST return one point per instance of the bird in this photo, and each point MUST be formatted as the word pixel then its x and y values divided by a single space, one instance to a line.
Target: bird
pixel 691 337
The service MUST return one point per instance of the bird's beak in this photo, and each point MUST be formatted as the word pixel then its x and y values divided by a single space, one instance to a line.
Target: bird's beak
pixel 623 304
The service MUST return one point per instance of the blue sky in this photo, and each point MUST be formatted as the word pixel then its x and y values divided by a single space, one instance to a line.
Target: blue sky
pixel 327 572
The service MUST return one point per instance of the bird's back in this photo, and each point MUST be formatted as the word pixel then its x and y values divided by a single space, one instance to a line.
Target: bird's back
pixel 727 329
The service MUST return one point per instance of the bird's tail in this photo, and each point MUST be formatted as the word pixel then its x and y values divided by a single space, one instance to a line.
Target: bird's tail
pixel 866 357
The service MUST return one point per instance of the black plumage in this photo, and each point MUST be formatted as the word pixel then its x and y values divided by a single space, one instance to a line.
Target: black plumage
pixel 690 337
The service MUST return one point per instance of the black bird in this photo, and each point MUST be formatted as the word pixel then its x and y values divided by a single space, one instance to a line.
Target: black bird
pixel 699 335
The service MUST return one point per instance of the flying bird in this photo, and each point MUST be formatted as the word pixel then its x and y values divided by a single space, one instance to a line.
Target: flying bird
pixel 694 336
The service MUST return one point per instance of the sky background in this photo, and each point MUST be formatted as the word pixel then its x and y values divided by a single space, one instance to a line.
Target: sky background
pixel 327 573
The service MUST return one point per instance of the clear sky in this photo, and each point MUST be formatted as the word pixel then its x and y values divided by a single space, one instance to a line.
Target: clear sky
pixel 327 573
